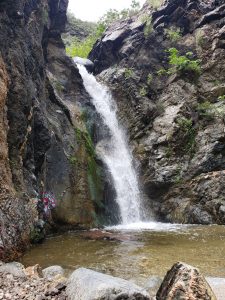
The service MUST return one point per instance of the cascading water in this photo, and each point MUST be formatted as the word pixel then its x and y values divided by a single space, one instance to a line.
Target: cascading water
pixel 116 154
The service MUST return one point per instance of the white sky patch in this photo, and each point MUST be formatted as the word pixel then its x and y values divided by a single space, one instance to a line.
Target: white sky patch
pixel 92 10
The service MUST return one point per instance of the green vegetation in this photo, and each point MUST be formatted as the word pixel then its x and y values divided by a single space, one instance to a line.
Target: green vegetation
pixel 162 72
pixel 169 151
pixel 143 92
pixel 188 132
pixel 178 177
pixel 93 170
pixel 149 79
pixel 173 34
pixel 155 3
pixel 209 111
pixel 82 47
pixel 221 98
pixel 113 15
pixel 128 73
pixel 73 160
pixel 199 38
pixel 148 27
pixel 181 63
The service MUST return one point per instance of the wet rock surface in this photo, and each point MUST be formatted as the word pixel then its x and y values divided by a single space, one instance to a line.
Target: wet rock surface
pixel 46 143
pixel 177 140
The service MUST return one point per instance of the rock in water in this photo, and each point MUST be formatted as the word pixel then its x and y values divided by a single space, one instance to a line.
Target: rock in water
pixel 184 282
pixel 84 62
pixel 85 284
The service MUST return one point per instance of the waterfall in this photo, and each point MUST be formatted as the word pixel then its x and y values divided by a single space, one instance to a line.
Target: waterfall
pixel 115 153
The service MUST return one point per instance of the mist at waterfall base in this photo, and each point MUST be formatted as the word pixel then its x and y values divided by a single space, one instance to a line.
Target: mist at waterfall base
pixel 118 158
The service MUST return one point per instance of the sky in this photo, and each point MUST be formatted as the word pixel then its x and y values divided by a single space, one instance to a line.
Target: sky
pixel 92 10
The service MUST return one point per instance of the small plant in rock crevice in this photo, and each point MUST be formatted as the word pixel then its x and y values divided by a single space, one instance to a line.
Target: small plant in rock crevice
pixel 221 98
pixel 149 79
pixel 173 34
pixel 188 132
pixel 143 92
pixel 128 73
pixel 155 3
pixel 210 111
pixel 148 29
pixel 181 63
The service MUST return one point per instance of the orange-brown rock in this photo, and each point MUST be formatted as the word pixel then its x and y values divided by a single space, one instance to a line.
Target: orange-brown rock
pixel 184 282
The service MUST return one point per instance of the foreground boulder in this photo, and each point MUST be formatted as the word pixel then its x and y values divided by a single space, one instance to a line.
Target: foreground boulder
pixel 184 282
pixel 85 284
pixel 14 268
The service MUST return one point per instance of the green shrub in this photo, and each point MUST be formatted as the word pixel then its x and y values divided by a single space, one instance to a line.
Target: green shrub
pixel 143 92
pixel 149 79
pixel 183 63
pixel 162 72
pixel 73 160
pixel 148 27
pixel 173 34
pixel 199 38
pixel 221 98
pixel 188 133
pixel 81 48
pixel 169 151
pixel 155 3
pixel 210 110
pixel 128 73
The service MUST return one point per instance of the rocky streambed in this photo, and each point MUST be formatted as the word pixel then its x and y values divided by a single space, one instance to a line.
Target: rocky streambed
pixel 182 282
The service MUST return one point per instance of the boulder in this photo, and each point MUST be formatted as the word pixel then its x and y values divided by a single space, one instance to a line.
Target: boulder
pixel 52 272
pixel 87 63
pixel 14 268
pixel 85 284
pixel 184 282
pixel 218 286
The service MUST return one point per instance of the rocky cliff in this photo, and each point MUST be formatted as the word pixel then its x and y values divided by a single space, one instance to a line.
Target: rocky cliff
pixel 165 67
pixel 46 143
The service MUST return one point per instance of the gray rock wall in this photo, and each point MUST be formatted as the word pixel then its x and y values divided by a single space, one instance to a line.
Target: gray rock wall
pixel 175 121
pixel 43 133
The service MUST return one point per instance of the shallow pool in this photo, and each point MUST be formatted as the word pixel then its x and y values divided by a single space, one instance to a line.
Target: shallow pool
pixel 139 253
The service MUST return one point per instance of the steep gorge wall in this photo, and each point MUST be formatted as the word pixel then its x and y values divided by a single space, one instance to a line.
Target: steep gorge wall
pixel 175 121
pixel 45 140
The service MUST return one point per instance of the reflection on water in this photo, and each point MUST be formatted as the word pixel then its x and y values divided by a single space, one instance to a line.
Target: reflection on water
pixel 143 254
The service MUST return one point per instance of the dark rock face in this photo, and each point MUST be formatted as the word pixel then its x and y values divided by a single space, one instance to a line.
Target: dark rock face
pixel 184 282
pixel 45 140
pixel 178 142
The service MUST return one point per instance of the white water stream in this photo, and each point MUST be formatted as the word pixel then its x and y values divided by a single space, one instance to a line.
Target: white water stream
pixel 115 152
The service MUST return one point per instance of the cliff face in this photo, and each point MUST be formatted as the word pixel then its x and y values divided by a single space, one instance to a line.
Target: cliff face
pixel 174 114
pixel 45 140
